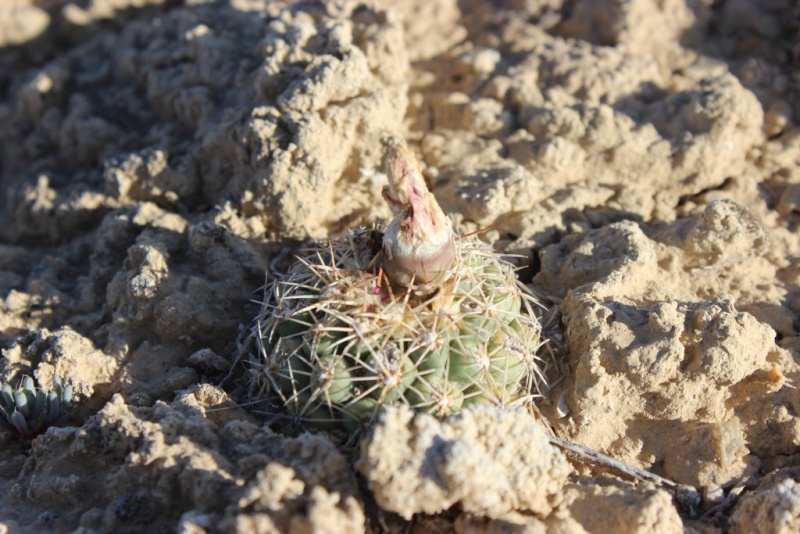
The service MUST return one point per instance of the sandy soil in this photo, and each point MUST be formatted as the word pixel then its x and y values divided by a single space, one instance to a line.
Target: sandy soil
pixel 642 156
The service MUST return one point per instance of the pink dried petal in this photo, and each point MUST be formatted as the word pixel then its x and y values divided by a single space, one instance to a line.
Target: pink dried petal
pixel 418 243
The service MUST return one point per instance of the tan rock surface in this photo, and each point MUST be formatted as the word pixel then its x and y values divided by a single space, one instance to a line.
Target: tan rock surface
pixel 642 157
pixel 416 464
pixel 774 506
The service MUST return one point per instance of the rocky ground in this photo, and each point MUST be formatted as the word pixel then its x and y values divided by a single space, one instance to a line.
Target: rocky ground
pixel 642 156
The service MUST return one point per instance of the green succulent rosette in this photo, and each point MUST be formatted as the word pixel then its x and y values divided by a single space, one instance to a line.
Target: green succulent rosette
pixel 28 411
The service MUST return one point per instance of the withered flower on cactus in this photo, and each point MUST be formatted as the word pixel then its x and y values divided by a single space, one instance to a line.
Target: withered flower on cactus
pixel 418 243
pixel 411 313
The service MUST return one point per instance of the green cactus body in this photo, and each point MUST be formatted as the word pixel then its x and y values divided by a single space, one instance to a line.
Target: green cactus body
pixel 337 341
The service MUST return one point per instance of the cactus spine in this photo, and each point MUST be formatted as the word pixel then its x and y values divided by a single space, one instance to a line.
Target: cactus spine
pixel 412 314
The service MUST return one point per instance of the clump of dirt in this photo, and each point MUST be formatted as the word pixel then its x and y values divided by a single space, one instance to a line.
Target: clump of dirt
pixel 159 158
pixel 415 464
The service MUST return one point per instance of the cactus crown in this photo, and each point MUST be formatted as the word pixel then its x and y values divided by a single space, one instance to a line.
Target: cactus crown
pixel 411 313
pixel 28 411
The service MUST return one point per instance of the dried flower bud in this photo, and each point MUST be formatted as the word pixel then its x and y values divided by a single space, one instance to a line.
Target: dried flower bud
pixel 418 242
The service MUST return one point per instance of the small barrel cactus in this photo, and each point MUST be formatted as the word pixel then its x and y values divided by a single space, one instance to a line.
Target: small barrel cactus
pixel 411 314
pixel 28 411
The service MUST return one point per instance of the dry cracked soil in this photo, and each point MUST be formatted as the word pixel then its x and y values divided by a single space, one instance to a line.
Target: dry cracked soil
pixel 641 158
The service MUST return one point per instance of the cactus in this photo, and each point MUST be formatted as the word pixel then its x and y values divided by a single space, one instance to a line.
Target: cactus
pixel 28 411
pixel 411 313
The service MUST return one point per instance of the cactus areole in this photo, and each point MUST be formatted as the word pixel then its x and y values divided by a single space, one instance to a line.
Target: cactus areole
pixel 411 313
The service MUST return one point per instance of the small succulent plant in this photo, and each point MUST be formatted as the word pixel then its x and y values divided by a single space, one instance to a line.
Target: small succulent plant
pixel 28 411
pixel 411 313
